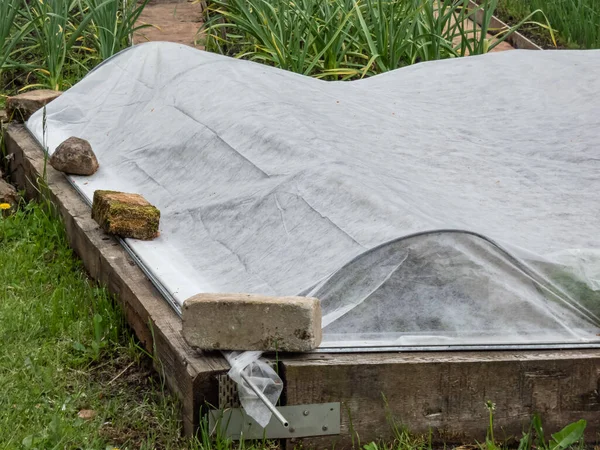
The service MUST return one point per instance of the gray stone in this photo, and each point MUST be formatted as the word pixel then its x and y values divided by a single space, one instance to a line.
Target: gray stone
pixel 74 156
pixel 20 107
pixel 252 322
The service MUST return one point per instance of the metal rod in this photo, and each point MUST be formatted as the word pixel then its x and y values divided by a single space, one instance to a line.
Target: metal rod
pixel 266 401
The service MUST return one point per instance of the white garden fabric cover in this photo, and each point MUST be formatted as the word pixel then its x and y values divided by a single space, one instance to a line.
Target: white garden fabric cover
pixel 450 203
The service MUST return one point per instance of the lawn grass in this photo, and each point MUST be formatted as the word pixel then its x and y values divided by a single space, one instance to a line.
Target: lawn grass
pixel 66 348
pixel 577 22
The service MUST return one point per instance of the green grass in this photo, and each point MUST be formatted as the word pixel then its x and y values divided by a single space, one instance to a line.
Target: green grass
pixel 65 348
pixel 577 22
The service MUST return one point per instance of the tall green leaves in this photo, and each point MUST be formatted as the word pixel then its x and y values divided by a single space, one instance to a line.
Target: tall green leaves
pixel 577 22
pixel 301 36
pixel 570 437
pixel 48 37
pixel 341 39
pixel 54 34
pixel 114 24
pixel 11 32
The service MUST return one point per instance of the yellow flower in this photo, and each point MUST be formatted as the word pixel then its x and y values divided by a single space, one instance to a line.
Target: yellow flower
pixel 4 206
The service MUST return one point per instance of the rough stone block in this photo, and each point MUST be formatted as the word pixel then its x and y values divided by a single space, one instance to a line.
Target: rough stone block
pixel 126 215
pixel 252 322
pixel 20 107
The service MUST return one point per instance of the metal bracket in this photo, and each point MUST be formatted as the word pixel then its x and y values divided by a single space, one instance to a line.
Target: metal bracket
pixel 320 419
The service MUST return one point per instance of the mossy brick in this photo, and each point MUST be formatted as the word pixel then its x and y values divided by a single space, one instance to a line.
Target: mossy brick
pixel 125 215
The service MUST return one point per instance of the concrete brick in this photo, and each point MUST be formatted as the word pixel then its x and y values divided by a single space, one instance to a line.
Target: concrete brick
pixel 20 107
pixel 126 215
pixel 252 322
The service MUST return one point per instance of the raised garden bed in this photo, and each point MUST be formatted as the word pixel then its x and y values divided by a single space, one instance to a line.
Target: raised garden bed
pixel 440 391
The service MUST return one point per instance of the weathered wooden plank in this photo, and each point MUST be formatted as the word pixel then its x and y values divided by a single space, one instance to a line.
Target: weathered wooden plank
pixel 446 392
pixel 190 375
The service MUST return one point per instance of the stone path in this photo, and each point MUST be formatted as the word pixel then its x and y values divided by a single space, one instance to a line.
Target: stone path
pixel 171 21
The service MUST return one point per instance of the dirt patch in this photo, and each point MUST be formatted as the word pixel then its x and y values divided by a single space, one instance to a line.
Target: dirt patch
pixel 142 398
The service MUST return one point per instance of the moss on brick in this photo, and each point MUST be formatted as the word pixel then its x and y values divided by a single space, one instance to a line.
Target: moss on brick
pixel 125 215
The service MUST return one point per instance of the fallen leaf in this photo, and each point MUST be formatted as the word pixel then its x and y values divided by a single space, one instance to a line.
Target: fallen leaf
pixel 86 414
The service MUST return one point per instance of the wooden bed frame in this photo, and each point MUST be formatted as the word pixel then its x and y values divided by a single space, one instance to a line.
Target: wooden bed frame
pixel 441 392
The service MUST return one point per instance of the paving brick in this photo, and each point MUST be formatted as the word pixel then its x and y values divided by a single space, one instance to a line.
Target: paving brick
pixel 252 322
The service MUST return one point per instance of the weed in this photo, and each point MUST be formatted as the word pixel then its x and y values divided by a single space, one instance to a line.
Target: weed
pixel 569 436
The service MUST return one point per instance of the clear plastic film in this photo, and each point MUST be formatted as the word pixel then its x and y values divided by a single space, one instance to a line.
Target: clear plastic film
pixel 454 288
pixel 262 376
pixel 446 204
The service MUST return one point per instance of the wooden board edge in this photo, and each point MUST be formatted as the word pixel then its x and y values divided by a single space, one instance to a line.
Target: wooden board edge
pixel 443 396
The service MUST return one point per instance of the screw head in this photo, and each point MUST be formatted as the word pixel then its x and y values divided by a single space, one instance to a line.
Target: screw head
pixel 324 428
pixel 305 413
pixel 292 429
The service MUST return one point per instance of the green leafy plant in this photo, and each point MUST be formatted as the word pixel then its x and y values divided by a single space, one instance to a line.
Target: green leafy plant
pixel 115 23
pixel 55 35
pixel 569 436
pixel 94 351
pixel 344 39
pixel 577 22
pixel 490 442
pixel 11 32
pixel 54 43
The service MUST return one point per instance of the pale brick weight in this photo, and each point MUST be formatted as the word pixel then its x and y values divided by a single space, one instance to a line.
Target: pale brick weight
pixel 20 107
pixel 252 322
